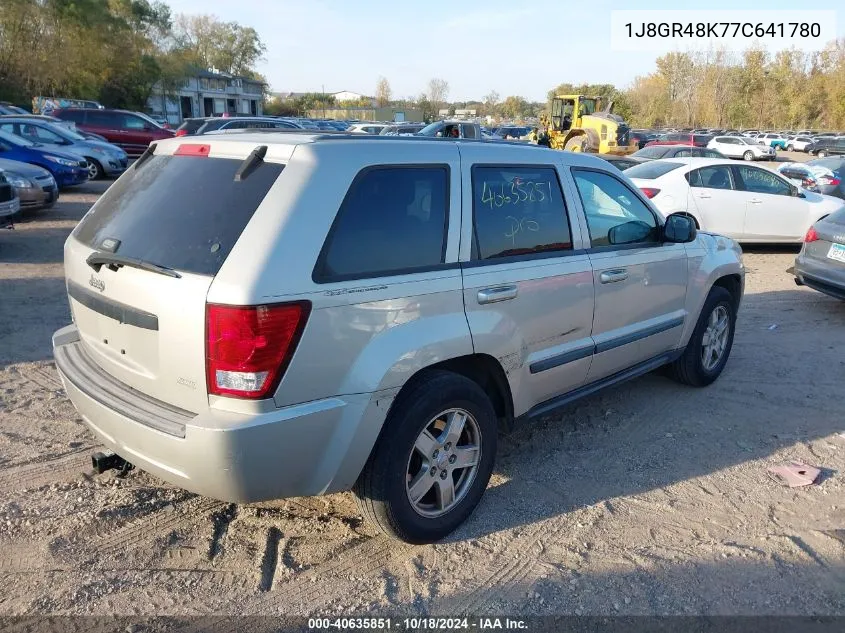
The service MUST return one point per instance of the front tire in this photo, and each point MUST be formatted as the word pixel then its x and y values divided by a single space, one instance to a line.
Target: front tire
pixel 95 169
pixel 821 153
pixel 790 148
pixel 432 462
pixel 749 155
pixel 710 345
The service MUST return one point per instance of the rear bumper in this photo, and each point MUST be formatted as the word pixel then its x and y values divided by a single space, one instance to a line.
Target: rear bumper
pixel 820 276
pixel 301 450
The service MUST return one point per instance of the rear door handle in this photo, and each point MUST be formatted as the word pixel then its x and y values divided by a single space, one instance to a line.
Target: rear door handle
pixel 755 201
pixel 613 276
pixel 494 295
pixel 703 195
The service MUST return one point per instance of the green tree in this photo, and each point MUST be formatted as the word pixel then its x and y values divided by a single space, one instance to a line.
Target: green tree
pixel 226 46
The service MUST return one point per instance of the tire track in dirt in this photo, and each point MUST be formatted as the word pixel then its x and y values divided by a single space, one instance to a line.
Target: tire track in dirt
pixel 59 469
pixel 146 528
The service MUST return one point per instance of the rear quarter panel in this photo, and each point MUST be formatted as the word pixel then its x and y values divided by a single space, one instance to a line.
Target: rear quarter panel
pixel 363 335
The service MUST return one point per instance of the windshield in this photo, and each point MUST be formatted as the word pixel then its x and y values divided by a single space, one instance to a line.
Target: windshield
pixel 655 151
pixel 16 140
pixel 65 132
pixel 148 119
pixel 430 129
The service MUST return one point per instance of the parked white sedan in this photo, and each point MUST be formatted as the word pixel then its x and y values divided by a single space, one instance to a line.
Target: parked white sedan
pixel 741 147
pixel 744 202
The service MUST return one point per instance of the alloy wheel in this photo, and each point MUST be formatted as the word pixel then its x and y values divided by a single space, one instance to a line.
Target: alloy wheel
pixel 715 339
pixel 443 462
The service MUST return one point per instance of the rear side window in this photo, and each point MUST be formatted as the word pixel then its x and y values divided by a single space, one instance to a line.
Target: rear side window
pixel 701 138
pixel 181 212
pixel 518 210
pixel 651 170
pixel 104 119
pixel 393 220
pixel 77 116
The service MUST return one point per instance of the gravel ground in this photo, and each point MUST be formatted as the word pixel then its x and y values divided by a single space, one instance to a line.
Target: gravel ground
pixel 649 498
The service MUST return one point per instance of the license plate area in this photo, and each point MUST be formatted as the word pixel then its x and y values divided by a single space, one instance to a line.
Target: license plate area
pixel 837 252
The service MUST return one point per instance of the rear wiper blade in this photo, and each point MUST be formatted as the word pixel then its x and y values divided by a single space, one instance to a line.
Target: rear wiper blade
pixel 97 260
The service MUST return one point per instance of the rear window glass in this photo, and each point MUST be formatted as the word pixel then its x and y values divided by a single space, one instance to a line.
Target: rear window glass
pixel 393 220
pixel 654 151
pixel 651 170
pixel 701 138
pixel 181 212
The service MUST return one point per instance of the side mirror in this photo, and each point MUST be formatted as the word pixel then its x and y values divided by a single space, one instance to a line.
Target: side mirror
pixel 679 229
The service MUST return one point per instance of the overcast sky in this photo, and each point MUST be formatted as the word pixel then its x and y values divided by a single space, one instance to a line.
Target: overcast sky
pixel 515 48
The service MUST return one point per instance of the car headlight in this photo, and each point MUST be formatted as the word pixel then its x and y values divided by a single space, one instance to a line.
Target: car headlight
pixel 63 161
pixel 18 181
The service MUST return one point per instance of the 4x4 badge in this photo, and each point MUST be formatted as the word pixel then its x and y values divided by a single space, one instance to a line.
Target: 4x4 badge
pixel 99 284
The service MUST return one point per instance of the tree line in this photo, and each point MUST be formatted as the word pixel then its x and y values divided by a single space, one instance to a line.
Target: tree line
pixel 113 51
pixel 787 89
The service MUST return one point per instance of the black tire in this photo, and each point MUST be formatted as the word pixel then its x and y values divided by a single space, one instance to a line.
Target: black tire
pixel 381 488
pixel 790 148
pixel 749 155
pixel 821 153
pixel 95 169
pixel 689 369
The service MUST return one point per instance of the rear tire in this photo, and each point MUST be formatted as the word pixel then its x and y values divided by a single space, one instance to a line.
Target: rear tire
pixel 415 446
pixel 710 345
pixel 749 155
pixel 790 148
pixel 821 153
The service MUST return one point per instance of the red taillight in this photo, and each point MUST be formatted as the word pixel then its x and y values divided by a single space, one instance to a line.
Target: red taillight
pixel 192 149
pixel 649 192
pixel 181 132
pixel 248 348
pixel 834 181
pixel 811 236
pixel 807 183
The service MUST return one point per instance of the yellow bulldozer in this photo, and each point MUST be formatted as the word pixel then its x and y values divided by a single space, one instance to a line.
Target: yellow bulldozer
pixel 578 125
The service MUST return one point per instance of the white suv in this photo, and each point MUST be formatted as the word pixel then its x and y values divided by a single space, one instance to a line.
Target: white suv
pixel 741 147
pixel 269 315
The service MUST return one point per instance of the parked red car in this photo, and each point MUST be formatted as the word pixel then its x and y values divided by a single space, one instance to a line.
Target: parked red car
pixel 682 138
pixel 128 130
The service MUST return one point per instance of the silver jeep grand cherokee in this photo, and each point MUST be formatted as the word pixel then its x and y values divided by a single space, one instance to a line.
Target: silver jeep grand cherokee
pixel 268 315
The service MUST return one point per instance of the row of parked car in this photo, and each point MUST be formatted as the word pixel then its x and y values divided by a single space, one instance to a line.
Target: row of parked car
pixel 820 175
pixel 796 203
pixel 39 155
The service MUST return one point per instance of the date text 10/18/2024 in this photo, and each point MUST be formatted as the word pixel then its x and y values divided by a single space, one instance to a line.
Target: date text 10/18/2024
pixel 418 624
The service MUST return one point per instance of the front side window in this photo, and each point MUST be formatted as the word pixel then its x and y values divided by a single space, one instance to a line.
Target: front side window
pixel 615 216
pixel 393 220
pixel 518 210
pixel 133 122
pixel 763 181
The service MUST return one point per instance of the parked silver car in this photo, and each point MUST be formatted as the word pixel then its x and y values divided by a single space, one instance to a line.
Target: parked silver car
pixel 35 186
pixel 821 263
pixel 266 315
pixel 103 159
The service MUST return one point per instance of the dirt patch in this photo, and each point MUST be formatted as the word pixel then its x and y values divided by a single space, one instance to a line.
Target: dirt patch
pixel 649 498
